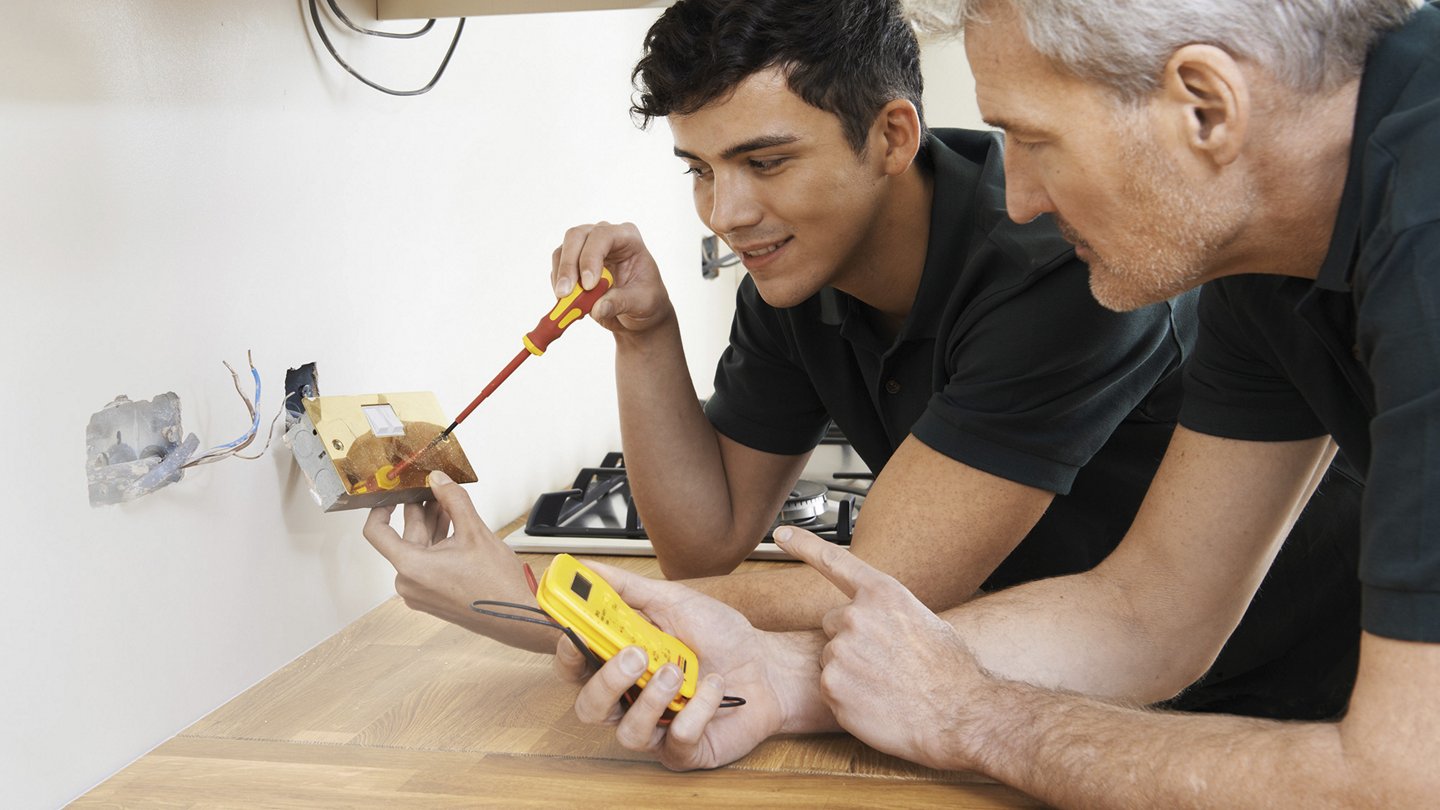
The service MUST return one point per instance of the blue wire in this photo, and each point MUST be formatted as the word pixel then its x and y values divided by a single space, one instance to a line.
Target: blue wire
pixel 254 422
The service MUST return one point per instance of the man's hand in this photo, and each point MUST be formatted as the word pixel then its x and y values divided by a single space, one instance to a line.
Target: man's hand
pixel 894 673
pixel 775 675
pixel 637 302
pixel 441 573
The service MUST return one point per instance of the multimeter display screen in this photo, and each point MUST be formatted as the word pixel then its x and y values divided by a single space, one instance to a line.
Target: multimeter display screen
pixel 581 586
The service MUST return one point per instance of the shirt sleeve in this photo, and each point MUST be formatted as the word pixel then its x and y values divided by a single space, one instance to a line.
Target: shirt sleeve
pixel 1398 334
pixel 763 396
pixel 1041 377
pixel 1234 386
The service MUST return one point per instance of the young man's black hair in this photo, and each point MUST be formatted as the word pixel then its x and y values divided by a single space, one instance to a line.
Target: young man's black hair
pixel 853 57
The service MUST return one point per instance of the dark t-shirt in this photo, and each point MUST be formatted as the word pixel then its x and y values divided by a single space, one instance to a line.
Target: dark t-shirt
pixel 1006 363
pixel 1356 353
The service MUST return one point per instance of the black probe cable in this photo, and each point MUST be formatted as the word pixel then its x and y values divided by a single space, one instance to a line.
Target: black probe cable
pixel 727 702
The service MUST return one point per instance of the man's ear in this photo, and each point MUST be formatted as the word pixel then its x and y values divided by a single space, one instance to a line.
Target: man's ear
pixel 1208 94
pixel 898 129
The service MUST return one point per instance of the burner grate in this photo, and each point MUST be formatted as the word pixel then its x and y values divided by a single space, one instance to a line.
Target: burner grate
pixel 599 504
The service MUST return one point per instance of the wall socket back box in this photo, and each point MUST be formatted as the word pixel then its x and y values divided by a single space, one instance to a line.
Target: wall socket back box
pixel 340 441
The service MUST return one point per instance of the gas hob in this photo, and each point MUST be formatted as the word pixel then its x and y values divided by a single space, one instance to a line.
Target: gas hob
pixel 597 515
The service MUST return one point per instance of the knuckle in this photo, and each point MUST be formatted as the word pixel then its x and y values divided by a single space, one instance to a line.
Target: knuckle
pixel 828 677
pixel 590 711
pixel 633 738
pixel 686 735
pixel 586 715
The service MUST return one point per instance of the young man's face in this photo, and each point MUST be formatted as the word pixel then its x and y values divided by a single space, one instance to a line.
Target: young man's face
pixel 1145 218
pixel 778 181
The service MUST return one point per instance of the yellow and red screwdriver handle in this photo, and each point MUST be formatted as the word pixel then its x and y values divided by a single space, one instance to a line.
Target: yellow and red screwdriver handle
pixel 574 306
pixel 567 310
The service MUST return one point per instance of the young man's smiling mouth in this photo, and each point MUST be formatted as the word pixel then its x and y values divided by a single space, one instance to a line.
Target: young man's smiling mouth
pixel 761 253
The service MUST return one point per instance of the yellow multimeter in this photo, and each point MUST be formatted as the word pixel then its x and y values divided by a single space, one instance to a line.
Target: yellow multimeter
pixel 579 599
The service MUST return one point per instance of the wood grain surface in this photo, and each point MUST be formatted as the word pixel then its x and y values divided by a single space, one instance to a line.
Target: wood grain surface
pixel 400 709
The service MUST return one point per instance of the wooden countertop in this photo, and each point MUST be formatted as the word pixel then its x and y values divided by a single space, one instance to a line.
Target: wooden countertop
pixel 403 710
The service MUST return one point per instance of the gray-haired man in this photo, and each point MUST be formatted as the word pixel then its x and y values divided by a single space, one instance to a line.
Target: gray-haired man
pixel 1283 152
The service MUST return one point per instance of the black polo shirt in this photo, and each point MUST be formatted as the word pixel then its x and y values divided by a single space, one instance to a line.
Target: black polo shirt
pixel 1356 353
pixel 1005 363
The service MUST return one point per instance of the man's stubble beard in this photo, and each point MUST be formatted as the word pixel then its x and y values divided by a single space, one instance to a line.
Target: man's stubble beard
pixel 1173 243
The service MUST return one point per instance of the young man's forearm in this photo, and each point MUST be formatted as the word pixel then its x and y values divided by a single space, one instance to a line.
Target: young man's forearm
pixel 673 461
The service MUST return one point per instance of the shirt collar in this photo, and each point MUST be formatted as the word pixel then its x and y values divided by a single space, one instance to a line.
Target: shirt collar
pixel 1388 71
pixel 955 182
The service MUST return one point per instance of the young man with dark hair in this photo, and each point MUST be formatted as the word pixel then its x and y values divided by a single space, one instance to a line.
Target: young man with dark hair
pixel 888 291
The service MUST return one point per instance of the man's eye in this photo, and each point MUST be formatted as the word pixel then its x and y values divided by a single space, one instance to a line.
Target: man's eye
pixel 765 165
pixel 697 171
pixel 1024 145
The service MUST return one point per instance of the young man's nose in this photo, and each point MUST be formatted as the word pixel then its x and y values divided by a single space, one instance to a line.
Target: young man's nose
pixel 732 206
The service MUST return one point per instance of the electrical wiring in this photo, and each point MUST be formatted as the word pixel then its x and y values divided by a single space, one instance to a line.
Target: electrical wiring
pixel 729 701
pixel 710 259
pixel 330 46
pixel 269 434
pixel 710 266
pixel 233 448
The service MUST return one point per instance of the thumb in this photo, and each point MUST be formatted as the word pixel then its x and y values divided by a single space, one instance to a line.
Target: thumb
pixel 635 305
pixel 455 501
pixel 844 570
pixel 639 591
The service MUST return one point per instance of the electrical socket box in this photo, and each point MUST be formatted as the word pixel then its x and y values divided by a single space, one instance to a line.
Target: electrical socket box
pixel 340 442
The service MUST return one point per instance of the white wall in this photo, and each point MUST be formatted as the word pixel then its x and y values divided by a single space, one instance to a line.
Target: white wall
pixel 183 180
pixel 949 87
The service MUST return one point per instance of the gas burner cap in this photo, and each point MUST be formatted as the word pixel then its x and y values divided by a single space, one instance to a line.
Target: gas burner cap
pixel 806 502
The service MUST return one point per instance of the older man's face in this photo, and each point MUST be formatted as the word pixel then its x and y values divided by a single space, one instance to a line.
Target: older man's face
pixel 1139 212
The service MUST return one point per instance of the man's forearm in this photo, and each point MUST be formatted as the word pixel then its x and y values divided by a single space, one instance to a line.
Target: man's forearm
pixel 1074 751
pixel 1030 633
pixel 790 598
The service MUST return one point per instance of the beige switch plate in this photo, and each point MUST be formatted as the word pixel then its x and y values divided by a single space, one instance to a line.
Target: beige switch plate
pixel 425 9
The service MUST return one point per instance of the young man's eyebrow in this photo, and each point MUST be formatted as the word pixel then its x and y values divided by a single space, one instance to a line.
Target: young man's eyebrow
pixel 762 142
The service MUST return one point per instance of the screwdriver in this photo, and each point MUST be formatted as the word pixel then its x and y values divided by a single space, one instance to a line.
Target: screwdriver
pixel 567 310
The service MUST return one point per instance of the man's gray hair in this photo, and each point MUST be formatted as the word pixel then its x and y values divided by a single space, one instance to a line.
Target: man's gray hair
pixel 1308 45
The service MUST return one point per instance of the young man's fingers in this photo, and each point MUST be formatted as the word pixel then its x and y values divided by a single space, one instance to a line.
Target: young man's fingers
pixel 596 250
pixel 566 260
pixel 382 535
pixel 456 502
pixel 571 664
pixel 415 531
pixel 844 570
